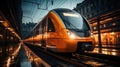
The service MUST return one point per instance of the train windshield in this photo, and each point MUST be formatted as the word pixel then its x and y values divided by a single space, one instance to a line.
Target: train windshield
pixel 73 20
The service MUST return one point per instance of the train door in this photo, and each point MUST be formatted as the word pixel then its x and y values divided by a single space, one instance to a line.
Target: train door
pixel 52 40
pixel 44 32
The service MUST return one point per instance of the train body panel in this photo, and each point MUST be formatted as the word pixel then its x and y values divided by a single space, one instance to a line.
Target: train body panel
pixel 63 30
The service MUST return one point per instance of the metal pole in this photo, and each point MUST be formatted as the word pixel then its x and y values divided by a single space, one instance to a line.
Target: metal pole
pixel 99 34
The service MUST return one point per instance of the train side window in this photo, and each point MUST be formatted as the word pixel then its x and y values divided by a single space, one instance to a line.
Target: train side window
pixel 37 29
pixel 44 26
pixel 51 27
pixel 40 29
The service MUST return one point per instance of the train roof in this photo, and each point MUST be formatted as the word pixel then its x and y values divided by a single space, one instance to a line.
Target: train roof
pixel 55 10
pixel 62 10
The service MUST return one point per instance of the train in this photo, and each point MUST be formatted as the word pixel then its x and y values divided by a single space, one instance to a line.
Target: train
pixel 63 30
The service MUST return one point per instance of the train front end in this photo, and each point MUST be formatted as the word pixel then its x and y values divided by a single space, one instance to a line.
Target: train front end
pixel 77 36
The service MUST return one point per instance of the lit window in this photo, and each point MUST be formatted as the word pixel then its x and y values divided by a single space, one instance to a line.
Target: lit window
pixel 113 24
pixel 104 25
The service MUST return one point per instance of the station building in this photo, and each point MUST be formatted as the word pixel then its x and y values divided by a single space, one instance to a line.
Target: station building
pixel 10 21
pixel 104 18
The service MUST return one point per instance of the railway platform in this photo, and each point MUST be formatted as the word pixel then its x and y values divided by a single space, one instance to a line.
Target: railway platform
pixel 107 50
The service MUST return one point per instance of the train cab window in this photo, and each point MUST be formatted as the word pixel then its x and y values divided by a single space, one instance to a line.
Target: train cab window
pixel 73 20
pixel 51 27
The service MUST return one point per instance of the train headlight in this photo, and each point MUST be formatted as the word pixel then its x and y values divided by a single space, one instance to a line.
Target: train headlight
pixel 71 35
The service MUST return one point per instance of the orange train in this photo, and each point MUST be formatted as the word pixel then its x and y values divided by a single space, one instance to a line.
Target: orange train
pixel 63 30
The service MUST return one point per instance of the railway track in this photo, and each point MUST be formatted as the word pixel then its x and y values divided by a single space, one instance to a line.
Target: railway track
pixel 93 61
pixel 67 60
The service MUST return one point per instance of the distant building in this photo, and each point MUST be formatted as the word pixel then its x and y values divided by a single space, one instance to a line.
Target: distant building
pixel 26 28
pixel 10 21
pixel 104 17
